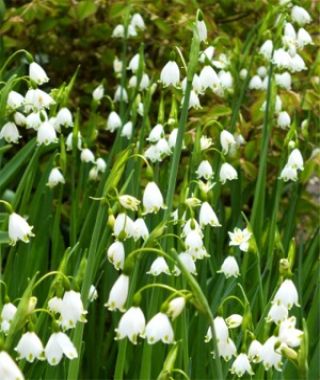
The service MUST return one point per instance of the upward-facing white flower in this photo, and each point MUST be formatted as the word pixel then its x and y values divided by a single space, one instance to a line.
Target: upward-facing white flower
pixel 46 134
pixel 287 294
pixel 227 173
pixel 118 294
pixel 8 368
pixel 71 310
pixel 55 177
pixel 59 344
pixel 37 74
pixel 113 122
pixel 170 74
pixel 207 216
pixel 10 133
pixel 300 15
pixel 19 229
pixel 159 328
pixel 227 142
pixel 240 238
pixel 30 347
pixel 152 198
pixel 131 324
pixel 241 365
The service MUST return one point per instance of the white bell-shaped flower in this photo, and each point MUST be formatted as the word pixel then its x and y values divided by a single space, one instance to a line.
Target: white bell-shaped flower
pixel 284 120
pixel 283 80
pixel 55 304
pixel 241 365
pixel 175 307
pixel 227 141
pixel 131 325
pixel 243 74
pixel 37 100
pixel 20 119
pixel 303 38
pixel 207 54
pixel 205 142
pixel 19 229
pixel 69 141
pixel 226 80
pixel 8 368
pixel 152 198
pixel 187 262
pixel 121 95
pixel 123 226
pixel 262 71
pixel 55 177
pixel 87 155
pixel 234 321
pixel 295 159
pixel 116 254
pixel 30 347
pixel 127 130
pixel 137 21
pixel 59 344
pixel 101 165
pixel 159 266
pixel 255 83
pixel 288 334
pixel 254 351
pixel 209 78
pixel 202 30
pixel 46 134
pixel 194 245
pixel 170 74
pixel 33 120
pixel 230 267
pixel 152 154
pixel 289 173
pixel 118 294
pixel 194 101
pixel 266 49
pixel 140 230
pixel 240 238
pixel 207 216
pixel 159 328
pixel 300 15
pixel 227 173
pixel 297 64
pixel 173 138
pixel 281 58
pixel 287 294
pixel 163 148
pixel 71 310
pixel 98 93
pixel 14 100
pixel 7 314
pixel 269 357
pixel 118 31
pixel 277 313
pixel 10 133
pixel 134 63
pixel 191 225
pixel 227 349
pixel 37 74
pixel 156 133
pixel 93 293
pixel 113 122
pixel 204 170
pixel 64 118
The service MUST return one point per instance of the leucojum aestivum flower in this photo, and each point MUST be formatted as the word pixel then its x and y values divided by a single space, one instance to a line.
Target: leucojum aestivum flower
pixel 172 251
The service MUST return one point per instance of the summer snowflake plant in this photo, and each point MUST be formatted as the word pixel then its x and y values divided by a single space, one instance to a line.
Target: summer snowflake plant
pixel 160 221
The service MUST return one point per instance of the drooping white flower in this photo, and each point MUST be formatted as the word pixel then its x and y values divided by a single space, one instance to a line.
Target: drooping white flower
pixel 123 226
pixel 194 245
pixel 255 83
pixel 8 368
pixel 207 216
pixel 127 130
pixel 170 74
pixel 131 325
pixel 266 49
pixel 243 74
pixel 37 74
pixel 118 31
pixel 191 225
pixel 241 365
pixel 7 314
pixel 87 155
pixel 209 78
pixel 204 170
pixel 159 266
pixel 156 133
pixel 173 138
pixel 297 64
pixel 37 99
pixel 152 198
pixel 140 230
pixel 187 262
pixel 194 101
pixel 230 267
pixel 20 119
pixel 71 310
pixel 227 173
pixel 54 304
pixel 303 38
pixel 289 173
pixel 227 349
pixel 225 79
pixel 262 71
pixel 175 307
pixel 137 21
pixel 288 334
pixel 207 54
pixel 159 328
pixel 227 142
pixel 55 177
pixel 29 347
pixel 101 165
pixel 118 294
pixel 205 142
pixel 120 95
pixel 163 148
pixel 14 100
pixel 234 321
pixel 277 313
pixel 202 30
pixel 281 58
pixel 287 294
pixel 300 15
pixel 19 229
pixel 69 141
pixel 295 159
pixel 113 122
pixel 116 254
pixel 33 120
pixel 269 357
pixel 46 134
pixel 93 293
pixel 59 344
pixel 283 80
pixel 152 154
pixel 129 202
pixel 64 118
pixel 254 352
pixel 283 120
pixel 10 133
pixel 98 93
pixel 240 238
